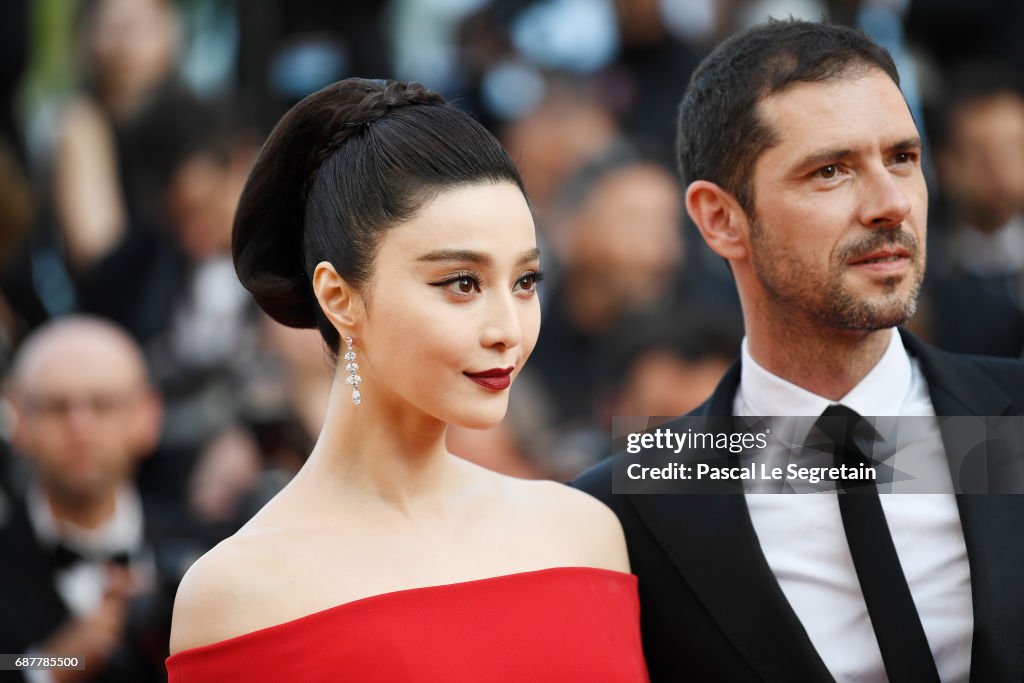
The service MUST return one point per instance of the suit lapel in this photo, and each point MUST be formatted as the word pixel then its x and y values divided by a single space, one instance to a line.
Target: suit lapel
pixel 712 543
pixel 956 384
pixel 991 523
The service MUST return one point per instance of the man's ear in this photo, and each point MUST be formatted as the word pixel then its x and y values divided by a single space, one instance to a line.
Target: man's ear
pixel 14 415
pixel 719 217
pixel 339 300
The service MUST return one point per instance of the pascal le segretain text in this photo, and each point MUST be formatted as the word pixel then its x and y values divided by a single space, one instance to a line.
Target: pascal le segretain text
pixel 752 472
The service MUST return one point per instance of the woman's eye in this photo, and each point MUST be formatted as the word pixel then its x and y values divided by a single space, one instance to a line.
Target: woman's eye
pixel 466 284
pixel 463 283
pixel 527 282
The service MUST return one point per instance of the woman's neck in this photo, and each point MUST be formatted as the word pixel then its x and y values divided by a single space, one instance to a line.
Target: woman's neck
pixel 379 451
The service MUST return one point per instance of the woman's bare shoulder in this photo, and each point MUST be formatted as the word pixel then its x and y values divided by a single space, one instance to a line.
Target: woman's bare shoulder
pixel 579 519
pixel 224 593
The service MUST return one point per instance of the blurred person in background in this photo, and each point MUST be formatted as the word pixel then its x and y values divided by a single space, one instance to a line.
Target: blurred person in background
pixel 623 254
pixel 289 48
pixel 282 407
pixel 14 52
pixel 226 473
pixel 302 380
pixel 80 573
pixel 203 353
pixel 500 449
pixel 661 44
pixel 953 31
pixel 975 291
pixel 18 302
pixel 20 307
pixel 569 129
pixel 671 363
pixel 105 184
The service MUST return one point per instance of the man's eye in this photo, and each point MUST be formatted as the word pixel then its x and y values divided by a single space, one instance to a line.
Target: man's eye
pixel 828 172
pixel 903 157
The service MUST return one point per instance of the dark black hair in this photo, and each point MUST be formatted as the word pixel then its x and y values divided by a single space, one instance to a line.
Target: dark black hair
pixel 720 132
pixel 617 156
pixel 968 82
pixel 342 166
pixel 180 126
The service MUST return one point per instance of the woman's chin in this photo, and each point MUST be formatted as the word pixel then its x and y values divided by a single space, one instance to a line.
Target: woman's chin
pixel 480 419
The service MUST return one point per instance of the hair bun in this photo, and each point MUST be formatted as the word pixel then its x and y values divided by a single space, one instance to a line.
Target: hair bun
pixel 267 237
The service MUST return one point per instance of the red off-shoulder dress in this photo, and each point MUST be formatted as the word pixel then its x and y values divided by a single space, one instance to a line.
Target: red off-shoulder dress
pixel 564 624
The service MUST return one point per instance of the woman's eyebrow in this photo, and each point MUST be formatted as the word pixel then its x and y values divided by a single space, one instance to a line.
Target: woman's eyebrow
pixel 461 255
pixel 470 256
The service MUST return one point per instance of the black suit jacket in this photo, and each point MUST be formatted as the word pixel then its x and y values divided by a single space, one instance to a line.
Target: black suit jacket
pixel 31 608
pixel 711 609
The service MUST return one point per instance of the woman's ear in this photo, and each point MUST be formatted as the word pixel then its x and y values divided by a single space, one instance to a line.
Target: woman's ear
pixel 719 217
pixel 339 300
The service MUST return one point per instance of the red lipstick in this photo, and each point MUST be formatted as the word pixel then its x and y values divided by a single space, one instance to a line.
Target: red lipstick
pixel 495 379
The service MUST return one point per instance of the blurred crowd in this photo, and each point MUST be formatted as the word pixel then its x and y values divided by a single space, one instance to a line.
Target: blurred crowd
pixel 150 408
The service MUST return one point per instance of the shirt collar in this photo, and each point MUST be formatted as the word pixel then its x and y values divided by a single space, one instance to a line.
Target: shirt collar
pixel 123 531
pixel 995 253
pixel 881 392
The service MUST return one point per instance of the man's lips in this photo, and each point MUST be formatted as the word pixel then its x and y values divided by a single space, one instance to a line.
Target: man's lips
pixel 495 379
pixel 881 256
pixel 887 261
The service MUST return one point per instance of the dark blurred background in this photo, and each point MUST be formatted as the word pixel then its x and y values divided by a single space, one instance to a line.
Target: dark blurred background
pixel 127 129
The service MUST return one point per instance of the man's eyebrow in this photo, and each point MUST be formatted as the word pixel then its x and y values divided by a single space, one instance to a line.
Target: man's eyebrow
pixel 470 256
pixel 816 159
pixel 825 156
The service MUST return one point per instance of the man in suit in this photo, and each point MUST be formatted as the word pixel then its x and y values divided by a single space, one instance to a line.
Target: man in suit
pixel 804 173
pixel 78 572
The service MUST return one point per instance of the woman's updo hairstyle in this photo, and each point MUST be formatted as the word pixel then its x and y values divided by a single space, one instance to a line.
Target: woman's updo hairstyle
pixel 342 166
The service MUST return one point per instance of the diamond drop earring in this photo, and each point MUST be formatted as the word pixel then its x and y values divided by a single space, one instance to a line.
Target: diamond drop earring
pixel 351 367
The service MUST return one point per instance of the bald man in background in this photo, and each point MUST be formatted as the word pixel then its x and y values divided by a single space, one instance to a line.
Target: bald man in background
pixel 77 574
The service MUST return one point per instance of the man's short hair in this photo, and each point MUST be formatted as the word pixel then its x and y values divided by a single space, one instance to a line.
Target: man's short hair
pixel 720 133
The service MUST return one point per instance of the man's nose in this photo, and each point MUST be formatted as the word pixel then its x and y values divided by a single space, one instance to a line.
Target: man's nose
pixel 885 202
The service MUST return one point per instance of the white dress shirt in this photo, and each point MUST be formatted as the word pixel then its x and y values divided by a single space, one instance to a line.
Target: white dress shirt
pixel 987 254
pixel 82 585
pixel 802 536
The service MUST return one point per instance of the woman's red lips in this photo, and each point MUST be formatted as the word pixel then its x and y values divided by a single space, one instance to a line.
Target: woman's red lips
pixel 495 379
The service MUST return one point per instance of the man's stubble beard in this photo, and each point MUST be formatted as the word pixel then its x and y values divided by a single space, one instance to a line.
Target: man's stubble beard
pixel 828 300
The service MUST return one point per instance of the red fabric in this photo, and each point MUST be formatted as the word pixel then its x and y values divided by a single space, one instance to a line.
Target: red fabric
pixel 563 624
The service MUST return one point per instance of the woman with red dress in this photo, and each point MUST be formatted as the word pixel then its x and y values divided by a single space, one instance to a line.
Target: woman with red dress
pixel 399 227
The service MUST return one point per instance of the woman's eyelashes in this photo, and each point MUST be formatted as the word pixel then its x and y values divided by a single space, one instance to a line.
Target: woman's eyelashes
pixel 462 283
pixel 528 281
pixel 467 283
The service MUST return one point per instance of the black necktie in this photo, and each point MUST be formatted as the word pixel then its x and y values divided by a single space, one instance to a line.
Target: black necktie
pixel 894 617
pixel 65 557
